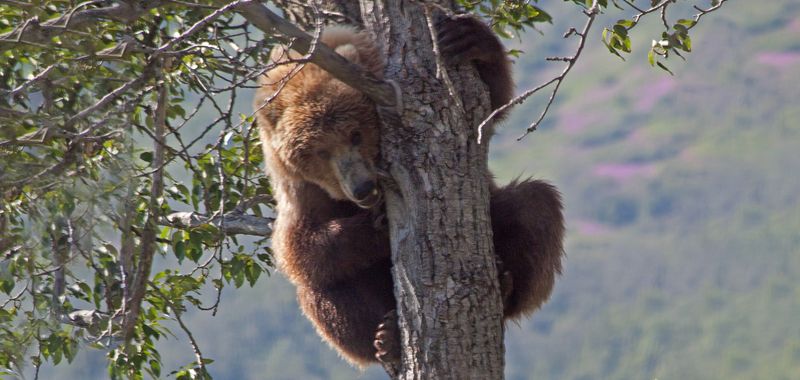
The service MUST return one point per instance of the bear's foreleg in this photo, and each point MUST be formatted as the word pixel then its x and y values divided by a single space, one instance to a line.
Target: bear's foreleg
pixel 464 38
pixel 323 253
pixel 348 313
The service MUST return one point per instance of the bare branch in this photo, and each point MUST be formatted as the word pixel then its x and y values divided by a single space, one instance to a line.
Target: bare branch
pixel 703 12
pixel 127 247
pixel 69 157
pixel 232 223
pixel 643 12
pixel 37 137
pixel 127 86
pixel 382 92
pixel 42 75
pixel 197 26
pixel 591 13
pixel 195 347
pixel 20 4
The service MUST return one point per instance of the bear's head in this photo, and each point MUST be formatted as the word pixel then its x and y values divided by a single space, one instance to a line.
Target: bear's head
pixel 316 128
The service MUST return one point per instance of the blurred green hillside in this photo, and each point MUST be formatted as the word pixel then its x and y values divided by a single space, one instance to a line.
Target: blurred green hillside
pixel 683 204
pixel 683 209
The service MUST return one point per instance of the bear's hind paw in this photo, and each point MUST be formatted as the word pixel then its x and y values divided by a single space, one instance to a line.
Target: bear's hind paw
pixel 387 340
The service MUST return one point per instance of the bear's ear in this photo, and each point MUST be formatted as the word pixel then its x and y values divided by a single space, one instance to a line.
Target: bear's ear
pixel 281 53
pixel 348 51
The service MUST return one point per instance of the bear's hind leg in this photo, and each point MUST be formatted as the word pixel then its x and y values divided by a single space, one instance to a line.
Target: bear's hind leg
pixel 528 228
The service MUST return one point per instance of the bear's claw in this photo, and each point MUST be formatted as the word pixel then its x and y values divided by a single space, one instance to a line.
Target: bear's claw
pixel 506 281
pixel 506 286
pixel 387 340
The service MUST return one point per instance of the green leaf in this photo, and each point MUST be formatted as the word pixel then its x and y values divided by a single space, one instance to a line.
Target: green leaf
pixel 146 157
pixel 686 43
pixel 252 272
pixel 155 367
pixel 661 65
pixel 686 23
pixel 620 30
pixel 6 285
pixel 195 251
pixel 180 250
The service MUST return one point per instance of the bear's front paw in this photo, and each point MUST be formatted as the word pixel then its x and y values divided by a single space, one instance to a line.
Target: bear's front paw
pixel 387 340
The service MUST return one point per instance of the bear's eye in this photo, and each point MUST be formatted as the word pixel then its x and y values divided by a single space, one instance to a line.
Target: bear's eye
pixel 355 138
pixel 324 154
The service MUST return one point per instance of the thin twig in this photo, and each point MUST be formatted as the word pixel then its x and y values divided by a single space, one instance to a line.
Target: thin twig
pixel 41 75
pixel 591 13
pixel 176 311
pixel 704 12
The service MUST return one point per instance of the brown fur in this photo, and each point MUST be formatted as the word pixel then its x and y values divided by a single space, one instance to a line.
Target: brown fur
pixel 335 252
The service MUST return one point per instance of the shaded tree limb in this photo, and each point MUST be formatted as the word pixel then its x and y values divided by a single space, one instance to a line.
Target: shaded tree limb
pixel 148 238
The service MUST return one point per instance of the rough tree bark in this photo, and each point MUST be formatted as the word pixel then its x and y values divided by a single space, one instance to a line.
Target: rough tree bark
pixel 449 307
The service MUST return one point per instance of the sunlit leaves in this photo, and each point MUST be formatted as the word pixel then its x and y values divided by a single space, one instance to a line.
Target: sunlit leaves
pixel 242 267
pixel 508 18
pixel 616 38
pixel 673 40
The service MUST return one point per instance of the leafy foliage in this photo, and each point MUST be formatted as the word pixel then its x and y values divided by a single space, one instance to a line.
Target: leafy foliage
pixel 673 40
pixel 78 183
pixel 508 17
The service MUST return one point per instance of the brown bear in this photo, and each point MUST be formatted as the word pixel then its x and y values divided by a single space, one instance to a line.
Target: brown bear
pixel 321 143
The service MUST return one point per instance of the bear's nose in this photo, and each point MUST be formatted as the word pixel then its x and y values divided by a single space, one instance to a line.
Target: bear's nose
pixel 364 190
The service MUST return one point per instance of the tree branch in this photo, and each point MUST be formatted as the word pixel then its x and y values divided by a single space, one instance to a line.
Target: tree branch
pixel 148 239
pixel 381 92
pixel 33 32
pixel 591 13
pixel 232 223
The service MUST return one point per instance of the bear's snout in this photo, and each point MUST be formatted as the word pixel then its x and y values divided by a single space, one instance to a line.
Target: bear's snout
pixel 366 194
pixel 364 190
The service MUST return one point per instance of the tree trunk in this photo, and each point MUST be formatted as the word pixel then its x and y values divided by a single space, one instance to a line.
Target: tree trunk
pixel 449 307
